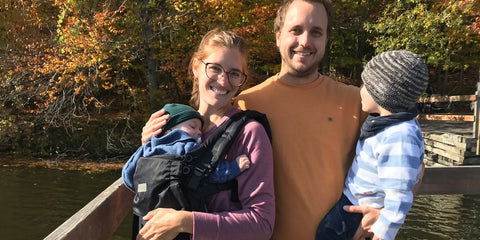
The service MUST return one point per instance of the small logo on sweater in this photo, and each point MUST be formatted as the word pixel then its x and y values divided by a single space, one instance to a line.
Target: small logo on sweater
pixel 142 187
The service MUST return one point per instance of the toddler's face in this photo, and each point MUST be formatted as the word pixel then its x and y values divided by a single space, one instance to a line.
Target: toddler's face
pixel 368 104
pixel 192 126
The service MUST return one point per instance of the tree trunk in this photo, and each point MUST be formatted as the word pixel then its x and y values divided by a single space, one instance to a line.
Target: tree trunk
pixel 150 62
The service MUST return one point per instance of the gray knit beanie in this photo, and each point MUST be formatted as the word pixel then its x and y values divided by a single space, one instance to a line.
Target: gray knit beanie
pixel 396 79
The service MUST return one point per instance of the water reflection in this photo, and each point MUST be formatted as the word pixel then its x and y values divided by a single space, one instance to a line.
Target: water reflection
pixel 443 217
pixel 34 201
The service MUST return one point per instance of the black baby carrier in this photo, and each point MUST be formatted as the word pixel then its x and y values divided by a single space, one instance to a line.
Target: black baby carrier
pixel 180 182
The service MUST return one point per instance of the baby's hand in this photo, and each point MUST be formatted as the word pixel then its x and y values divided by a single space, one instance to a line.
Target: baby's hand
pixel 243 162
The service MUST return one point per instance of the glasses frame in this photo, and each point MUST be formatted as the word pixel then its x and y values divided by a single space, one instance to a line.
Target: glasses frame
pixel 224 72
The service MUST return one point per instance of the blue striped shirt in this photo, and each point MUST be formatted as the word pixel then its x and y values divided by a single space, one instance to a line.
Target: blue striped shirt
pixel 384 172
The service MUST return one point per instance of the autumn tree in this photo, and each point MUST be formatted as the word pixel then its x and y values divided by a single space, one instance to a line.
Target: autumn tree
pixel 71 59
pixel 25 29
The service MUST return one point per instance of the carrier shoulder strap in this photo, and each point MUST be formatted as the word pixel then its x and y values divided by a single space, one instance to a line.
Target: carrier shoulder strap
pixel 215 147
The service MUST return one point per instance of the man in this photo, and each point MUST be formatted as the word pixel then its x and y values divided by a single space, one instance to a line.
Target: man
pixel 315 123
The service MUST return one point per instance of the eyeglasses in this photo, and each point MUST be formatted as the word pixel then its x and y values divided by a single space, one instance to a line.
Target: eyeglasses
pixel 214 71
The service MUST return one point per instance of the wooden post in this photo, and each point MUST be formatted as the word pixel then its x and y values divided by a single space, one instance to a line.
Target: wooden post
pixel 476 123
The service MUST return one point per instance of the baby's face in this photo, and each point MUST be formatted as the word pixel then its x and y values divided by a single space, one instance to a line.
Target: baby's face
pixel 192 126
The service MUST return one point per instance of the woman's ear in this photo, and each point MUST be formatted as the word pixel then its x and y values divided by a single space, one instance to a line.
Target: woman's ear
pixel 195 67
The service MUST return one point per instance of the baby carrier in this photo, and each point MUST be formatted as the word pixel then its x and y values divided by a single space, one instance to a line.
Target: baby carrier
pixel 180 182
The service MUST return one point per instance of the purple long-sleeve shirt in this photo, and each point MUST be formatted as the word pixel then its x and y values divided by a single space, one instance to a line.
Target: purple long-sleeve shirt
pixel 254 217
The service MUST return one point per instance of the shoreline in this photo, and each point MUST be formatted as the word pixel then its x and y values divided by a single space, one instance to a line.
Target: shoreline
pixel 62 163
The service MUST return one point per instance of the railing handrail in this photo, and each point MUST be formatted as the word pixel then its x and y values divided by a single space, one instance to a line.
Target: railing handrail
pixel 100 218
pixel 474 117
pixel 455 98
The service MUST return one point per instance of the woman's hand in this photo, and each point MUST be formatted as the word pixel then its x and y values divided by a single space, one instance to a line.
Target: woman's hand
pixel 166 224
pixel 370 216
pixel 154 125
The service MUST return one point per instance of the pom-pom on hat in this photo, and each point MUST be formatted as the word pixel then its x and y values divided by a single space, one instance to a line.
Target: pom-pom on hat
pixel 396 79
pixel 179 113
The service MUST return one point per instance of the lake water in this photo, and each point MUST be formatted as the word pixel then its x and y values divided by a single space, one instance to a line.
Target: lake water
pixel 34 201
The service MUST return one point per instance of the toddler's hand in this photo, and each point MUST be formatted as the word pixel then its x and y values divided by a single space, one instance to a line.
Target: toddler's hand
pixel 243 162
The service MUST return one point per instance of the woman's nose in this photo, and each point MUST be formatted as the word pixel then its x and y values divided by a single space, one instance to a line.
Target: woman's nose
pixel 223 79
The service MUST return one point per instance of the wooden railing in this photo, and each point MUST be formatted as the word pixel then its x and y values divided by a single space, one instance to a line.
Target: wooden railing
pixel 456 117
pixel 100 218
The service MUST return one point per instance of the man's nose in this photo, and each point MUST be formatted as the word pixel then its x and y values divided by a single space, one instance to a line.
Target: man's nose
pixel 304 39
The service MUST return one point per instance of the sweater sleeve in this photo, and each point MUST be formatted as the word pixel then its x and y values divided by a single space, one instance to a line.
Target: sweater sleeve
pixel 252 218
pixel 399 167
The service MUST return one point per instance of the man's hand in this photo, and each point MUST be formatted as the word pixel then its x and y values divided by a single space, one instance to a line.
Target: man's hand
pixel 370 216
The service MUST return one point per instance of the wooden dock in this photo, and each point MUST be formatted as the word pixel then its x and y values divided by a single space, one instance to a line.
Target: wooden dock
pixel 449 143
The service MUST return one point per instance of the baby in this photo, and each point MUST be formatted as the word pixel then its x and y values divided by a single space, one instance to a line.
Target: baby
pixel 182 134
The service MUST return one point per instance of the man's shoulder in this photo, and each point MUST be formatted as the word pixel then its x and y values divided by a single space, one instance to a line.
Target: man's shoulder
pixel 252 90
pixel 340 86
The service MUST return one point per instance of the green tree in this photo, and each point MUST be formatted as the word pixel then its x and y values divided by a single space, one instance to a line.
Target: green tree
pixel 349 40
pixel 437 31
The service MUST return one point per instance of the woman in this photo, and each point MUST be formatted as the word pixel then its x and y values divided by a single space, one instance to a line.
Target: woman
pixel 218 68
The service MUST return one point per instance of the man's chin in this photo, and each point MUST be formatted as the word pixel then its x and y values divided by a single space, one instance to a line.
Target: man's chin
pixel 303 72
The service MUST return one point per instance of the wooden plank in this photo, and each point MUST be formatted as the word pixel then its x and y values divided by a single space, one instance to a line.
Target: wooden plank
pixel 431 158
pixel 461 151
pixel 447 117
pixel 100 217
pixel 451 180
pixel 459 98
pixel 441 152
pixel 449 138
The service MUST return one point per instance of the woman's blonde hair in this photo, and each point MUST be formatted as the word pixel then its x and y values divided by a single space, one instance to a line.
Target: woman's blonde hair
pixel 214 39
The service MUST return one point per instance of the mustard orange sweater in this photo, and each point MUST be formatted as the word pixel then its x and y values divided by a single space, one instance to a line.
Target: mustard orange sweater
pixel 315 128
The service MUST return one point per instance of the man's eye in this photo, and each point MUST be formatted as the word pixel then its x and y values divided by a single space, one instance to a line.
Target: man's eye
pixel 317 33
pixel 296 31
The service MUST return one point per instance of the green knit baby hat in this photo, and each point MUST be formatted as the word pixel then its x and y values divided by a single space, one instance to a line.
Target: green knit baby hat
pixel 179 113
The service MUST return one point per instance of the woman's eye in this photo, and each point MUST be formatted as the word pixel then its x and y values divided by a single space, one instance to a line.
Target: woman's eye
pixel 235 74
pixel 215 69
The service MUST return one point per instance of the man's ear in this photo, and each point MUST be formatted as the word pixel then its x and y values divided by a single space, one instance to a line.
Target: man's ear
pixel 277 37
